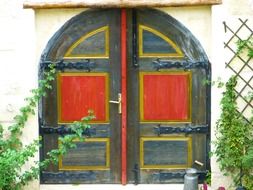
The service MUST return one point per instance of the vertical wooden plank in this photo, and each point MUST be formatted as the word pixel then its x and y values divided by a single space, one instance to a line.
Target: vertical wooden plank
pixel 123 91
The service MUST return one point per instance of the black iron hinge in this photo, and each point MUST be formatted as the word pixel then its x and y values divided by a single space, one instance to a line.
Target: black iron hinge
pixel 159 130
pixel 61 65
pixel 184 64
pixel 61 130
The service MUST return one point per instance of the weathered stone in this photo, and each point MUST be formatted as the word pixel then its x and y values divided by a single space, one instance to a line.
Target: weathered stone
pixel 42 4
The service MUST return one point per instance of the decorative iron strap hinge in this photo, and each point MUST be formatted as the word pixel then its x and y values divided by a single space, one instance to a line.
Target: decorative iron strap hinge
pixel 53 177
pixel 65 130
pixel 169 64
pixel 62 65
pixel 188 129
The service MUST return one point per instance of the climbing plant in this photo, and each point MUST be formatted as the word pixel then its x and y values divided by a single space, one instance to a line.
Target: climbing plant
pixel 14 155
pixel 245 45
pixel 234 141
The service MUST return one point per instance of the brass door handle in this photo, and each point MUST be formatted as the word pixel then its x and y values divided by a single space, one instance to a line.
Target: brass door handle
pixel 199 163
pixel 117 102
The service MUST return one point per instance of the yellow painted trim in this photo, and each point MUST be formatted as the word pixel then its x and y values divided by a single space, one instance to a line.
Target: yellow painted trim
pixel 178 54
pixel 105 29
pixel 59 98
pixel 188 139
pixel 105 167
pixel 141 86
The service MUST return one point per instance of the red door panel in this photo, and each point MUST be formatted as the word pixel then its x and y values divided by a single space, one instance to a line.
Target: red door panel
pixel 165 96
pixel 81 92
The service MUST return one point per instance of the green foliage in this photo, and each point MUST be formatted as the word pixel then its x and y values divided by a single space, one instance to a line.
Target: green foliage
pixel 246 45
pixel 219 83
pixel 14 155
pixel 234 144
pixel 208 178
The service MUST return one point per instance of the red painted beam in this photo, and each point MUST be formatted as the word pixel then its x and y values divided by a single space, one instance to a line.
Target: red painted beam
pixel 124 97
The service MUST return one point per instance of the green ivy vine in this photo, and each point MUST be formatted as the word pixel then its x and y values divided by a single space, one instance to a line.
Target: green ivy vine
pixel 234 140
pixel 14 155
pixel 245 45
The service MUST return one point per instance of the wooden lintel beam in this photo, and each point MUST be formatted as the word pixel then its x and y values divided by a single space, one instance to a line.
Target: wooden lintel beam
pixel 53 4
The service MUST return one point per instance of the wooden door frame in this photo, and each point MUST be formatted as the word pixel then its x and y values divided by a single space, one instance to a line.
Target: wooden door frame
pixel 123 52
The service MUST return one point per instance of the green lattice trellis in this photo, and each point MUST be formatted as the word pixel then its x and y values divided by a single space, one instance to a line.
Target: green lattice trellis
pixel 240 64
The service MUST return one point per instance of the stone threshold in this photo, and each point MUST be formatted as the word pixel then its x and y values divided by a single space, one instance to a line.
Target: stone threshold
pixel 116 187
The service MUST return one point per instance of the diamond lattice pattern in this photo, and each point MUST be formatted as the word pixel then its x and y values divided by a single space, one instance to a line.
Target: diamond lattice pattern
pixel 240 64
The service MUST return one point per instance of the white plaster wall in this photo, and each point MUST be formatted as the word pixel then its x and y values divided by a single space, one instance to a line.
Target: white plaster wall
pixel 229 12
pixel 18 73
pixel 48 22
pixel 17 47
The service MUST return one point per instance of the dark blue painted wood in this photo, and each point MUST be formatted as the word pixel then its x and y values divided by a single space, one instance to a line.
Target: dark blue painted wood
pixel 165 152
pixel 86 154
pixel 155 44
pixel 55 51
pixel 194 53
pixel 91 46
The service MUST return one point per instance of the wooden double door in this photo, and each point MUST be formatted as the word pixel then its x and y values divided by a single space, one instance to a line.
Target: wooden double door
pixel 142 74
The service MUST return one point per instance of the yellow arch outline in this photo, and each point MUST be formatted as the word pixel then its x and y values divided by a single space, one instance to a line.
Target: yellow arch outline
pixel 178 54
pixel 105 29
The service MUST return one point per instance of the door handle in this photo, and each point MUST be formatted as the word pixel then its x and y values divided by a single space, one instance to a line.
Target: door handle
pixel 117 102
